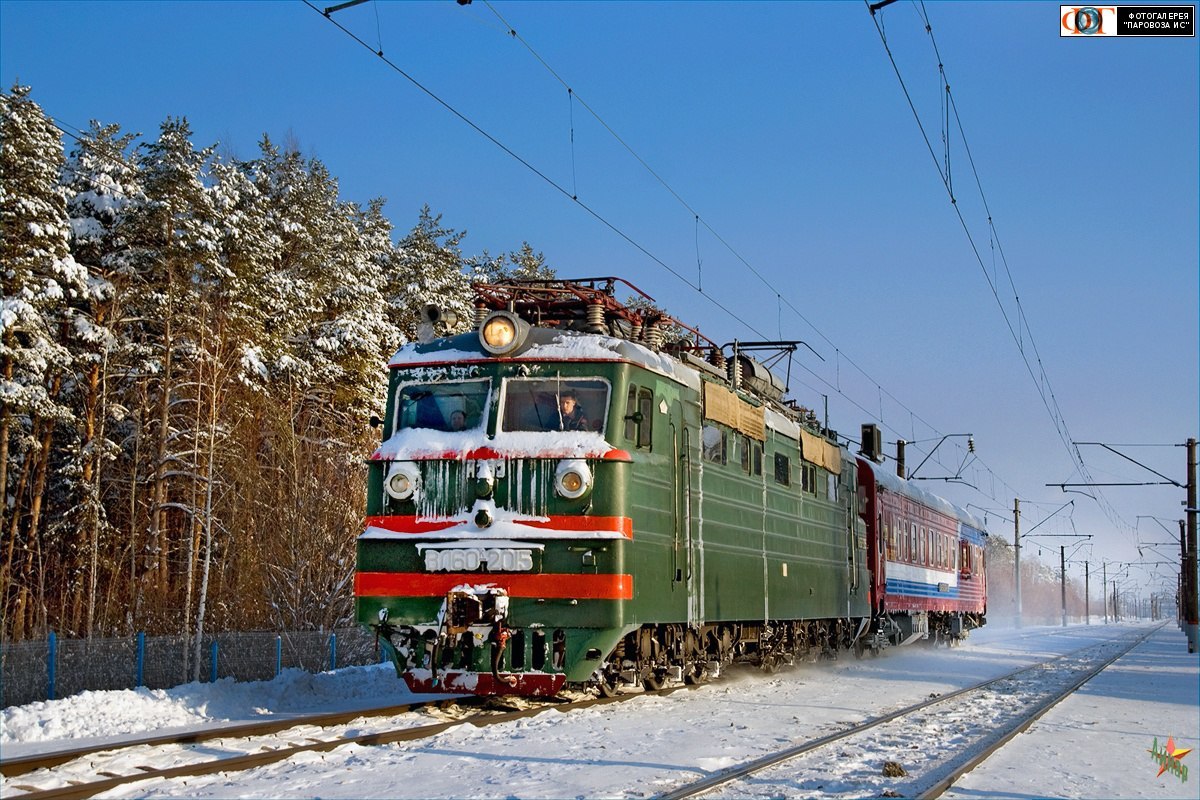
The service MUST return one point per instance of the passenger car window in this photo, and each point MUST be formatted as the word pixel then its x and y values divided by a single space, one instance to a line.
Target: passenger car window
pixel 713 443
pixel 783 469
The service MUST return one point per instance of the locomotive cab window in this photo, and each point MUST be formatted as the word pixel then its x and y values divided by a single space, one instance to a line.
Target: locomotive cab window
pixel 639 402
pixel 449 406
pixel 630 409
pixel 554 404
pixel 646 427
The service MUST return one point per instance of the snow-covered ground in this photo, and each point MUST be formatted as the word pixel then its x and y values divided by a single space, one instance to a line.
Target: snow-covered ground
pixel 1096 744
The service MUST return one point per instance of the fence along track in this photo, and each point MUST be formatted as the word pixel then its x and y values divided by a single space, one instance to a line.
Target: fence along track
pixel 251 760
pixel 737 772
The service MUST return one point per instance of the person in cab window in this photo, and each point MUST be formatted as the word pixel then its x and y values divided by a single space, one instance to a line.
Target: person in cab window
pixel 458 420
pixel 571 416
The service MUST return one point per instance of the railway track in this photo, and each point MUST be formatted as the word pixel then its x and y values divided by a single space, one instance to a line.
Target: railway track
pixel 89 771
pixel 11 767
pixel 936 741
pixel 243 752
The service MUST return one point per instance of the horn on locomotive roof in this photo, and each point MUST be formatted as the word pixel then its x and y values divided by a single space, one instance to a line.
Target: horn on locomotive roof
pixel 433 315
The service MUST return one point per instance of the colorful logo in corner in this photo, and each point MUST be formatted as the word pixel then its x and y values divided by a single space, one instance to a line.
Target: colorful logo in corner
pixel 1170 759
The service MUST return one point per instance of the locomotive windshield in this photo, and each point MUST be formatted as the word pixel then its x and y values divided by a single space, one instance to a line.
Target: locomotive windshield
pixel 556 404
pixel 451 406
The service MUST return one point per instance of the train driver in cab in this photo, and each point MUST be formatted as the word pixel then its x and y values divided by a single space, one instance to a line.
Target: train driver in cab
pixel 570 413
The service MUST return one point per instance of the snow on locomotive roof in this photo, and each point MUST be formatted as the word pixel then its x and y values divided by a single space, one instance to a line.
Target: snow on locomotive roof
pixel 558 345
pixel 894 483
pixel 425 443
pixel 548 345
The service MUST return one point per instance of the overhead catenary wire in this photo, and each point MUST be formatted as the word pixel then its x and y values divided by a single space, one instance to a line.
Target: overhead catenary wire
pixel 539 173
pixel 512 32
pixel 695 286
pixel 1039 376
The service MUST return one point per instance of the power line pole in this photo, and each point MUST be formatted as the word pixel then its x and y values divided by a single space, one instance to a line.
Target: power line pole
pixel 1087 599
pixel 1017 549
pixel 1192 612
pixel 1062 566
pixel 1189 605
pixel 1104 589
pixel 1181 581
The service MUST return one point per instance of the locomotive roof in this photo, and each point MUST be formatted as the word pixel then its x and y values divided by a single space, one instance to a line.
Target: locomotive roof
pixel 580 320
pixel 894 483
pixel 547 344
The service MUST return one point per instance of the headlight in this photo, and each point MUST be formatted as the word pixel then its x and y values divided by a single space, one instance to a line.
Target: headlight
pixel 573 479
pixel 402 481
pixel 502 332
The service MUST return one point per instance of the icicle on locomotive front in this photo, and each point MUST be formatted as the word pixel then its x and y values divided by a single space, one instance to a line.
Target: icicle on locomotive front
pixel 493 559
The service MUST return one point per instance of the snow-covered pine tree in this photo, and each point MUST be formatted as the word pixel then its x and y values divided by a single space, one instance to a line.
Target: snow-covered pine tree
pixel 39 278
pixel 100 176
pixel 526 264
pixel 427 267
pixel 173 250
pixel 324 362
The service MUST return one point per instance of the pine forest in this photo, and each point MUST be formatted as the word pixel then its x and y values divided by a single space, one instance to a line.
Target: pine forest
pixel 193 349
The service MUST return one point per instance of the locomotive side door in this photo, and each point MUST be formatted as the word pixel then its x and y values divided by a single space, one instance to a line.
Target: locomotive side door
pixel 689 564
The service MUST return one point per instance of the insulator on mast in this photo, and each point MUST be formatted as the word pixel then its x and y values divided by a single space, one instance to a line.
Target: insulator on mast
pixel 595 318
pixel 652 335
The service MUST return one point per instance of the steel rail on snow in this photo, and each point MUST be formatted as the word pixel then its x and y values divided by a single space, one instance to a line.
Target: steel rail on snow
pixel 250 760
pixel 731 774
pixel 1005 737
pixel 10 767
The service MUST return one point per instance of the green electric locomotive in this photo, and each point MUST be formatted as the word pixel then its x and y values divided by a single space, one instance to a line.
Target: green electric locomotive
pixel 586 491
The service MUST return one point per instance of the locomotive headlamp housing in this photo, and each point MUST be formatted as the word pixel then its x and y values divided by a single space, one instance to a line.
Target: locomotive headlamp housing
pixel 573 479
pixel 403 480
pixel 503 332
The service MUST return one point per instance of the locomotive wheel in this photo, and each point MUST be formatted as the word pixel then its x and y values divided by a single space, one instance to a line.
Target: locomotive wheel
pixel 654 680
pixel 608 682
pixel 860 647
pixel 769 665
pixel 695 673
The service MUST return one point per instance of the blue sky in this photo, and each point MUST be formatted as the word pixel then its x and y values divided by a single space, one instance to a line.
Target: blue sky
pixel 784 127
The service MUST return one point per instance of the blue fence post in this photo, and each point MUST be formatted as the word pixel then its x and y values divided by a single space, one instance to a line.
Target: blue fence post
pixel 278 655
pixel 212 677
pixel 52 666
pixel 141 659
pixel 332 651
